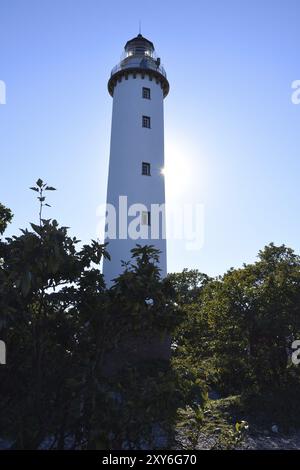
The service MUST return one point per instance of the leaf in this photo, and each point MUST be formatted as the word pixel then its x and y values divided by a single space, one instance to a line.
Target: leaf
pixel 39 183
pixel 36 228
pixel 53 265
pixel 50 188
pixel 48 205
pixel 26 283
pixel 34 189
pixel 41 198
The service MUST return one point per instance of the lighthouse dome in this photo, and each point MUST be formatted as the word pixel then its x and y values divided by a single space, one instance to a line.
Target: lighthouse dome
pixel 139 46
pixel 139 58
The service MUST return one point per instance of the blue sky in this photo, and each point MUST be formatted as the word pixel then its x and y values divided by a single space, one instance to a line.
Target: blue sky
pixel 230 125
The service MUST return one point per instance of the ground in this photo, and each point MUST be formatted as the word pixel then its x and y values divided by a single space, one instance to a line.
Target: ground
pixel 222 425
pixel 216 428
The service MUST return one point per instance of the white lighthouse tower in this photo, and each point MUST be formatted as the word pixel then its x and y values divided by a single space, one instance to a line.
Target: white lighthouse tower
pixel 136 187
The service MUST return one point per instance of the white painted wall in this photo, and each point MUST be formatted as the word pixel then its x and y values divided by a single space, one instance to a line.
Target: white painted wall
pixel 131 144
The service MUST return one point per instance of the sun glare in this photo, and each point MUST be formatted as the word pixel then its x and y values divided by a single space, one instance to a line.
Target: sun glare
pixel 177 169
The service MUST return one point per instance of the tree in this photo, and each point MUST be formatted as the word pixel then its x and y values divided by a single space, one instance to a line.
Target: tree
pixel 254 313
pixel 64 383
pixel 5 218
pixel 188 285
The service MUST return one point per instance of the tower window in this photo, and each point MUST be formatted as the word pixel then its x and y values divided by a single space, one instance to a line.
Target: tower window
pixel 146 122
pixel 146 218
pixel 146 93
pixel 146 169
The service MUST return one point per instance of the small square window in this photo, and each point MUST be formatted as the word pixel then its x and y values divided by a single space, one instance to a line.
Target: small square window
pixel 146 169
pixel 146 122
pixel 146 218
pixel 146 93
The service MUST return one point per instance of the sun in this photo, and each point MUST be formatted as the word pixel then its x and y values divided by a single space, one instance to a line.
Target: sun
pixel 176 170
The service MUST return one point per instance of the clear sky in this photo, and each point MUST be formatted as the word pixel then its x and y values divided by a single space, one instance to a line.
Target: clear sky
pixel 232 132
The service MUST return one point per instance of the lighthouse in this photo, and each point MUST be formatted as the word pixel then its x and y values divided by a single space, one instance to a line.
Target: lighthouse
pixel 136 187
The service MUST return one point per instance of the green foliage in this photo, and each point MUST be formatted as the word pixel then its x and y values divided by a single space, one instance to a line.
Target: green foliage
pixel 92 364
pixel 192 338
pixel 45 316
pixel 232 437
pixel 254 313
pixel 142 401
pixel 239 329
pixel 77 362
pixel 5 218
pixel 188 285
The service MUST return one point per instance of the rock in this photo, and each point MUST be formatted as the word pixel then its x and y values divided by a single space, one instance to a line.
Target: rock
pixel 160 437
pixel 126 445
pixel 274 428
pixel 5 444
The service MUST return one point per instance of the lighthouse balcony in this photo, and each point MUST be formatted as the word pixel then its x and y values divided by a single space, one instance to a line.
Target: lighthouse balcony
pixel 139 58
pixel 142 62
